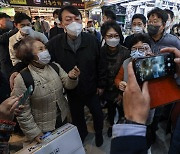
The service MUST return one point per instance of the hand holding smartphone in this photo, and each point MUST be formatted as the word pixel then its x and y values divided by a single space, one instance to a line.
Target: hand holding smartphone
pixel 162 67
pixel 25 96
pixel 148 68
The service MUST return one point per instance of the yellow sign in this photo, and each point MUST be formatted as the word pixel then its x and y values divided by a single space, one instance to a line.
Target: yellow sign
pixel 18 2
pixel 9 11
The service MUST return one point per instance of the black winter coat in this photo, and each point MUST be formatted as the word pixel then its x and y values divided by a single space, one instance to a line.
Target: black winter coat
pixel 86 58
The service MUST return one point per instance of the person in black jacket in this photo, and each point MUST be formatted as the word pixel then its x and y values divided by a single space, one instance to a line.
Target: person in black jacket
pixel 4 88
pixel 5 33
pixel 114 54
pixel 76 48
pixel 55 30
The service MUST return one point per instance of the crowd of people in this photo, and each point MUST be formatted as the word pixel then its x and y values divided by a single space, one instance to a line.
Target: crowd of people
pixel 70 68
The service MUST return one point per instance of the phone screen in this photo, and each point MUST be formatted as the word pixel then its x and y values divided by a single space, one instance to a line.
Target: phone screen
pixel 154 67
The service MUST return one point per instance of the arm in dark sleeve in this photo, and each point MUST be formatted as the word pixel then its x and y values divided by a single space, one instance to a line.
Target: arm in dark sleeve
pixel 19 66
pixel 50 47
pixel 4 38
pixel 128 145
pixel 129 139
pixel 175 141
pixel 127 41
pixel 102 70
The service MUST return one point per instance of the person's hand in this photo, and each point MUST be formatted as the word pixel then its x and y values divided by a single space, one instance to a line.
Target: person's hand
pixel 136 103
pixel 11 80
pixel 74 73
pixel 173 50
pixel 38 138
pixel 177 55
pixel 122 85
pixel 8 108
pixel 99 91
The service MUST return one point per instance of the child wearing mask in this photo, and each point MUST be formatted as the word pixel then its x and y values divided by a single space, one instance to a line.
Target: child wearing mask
pixel 114 54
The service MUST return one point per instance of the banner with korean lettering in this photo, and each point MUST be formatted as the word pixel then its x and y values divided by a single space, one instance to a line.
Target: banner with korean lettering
pixel 49 3
pixel 20 2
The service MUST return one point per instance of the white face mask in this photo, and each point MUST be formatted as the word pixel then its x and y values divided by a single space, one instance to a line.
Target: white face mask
pixel 44 57
pixel 74 29
pixel 91 29
pixel 112 42
pixel 137 29
pixel 136 54
pixel 27 30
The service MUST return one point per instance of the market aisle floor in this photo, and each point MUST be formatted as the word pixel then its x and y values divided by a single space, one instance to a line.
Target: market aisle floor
pixel 160 147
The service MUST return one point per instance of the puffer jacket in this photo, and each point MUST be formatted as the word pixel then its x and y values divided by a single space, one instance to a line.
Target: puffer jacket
pixel 41 110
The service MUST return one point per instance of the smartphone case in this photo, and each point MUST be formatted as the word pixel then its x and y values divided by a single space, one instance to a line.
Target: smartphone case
pixel 163 91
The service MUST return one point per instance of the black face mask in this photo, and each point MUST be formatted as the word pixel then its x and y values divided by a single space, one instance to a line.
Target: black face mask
pixel 152 30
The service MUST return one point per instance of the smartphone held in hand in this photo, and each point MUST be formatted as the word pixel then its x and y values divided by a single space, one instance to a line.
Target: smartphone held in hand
pixel 153 67
pixel 25 96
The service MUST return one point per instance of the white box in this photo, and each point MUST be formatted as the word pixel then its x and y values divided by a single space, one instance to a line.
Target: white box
pixel 65 140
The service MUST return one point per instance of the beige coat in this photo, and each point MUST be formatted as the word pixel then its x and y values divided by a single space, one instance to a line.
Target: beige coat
pixel 17 37
pixel 40 110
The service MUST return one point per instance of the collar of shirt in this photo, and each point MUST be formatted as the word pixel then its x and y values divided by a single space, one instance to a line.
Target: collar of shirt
pixel 74 44
pixel 84 41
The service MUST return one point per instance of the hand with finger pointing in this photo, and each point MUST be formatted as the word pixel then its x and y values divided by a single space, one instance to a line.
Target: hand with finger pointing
pixel 74 73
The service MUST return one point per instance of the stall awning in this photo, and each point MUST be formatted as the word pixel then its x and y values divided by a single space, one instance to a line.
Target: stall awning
pixel 48 3
pixel 4 2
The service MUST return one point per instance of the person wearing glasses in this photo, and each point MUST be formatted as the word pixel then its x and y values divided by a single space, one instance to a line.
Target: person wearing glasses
pixel 156 27
pixel 114 54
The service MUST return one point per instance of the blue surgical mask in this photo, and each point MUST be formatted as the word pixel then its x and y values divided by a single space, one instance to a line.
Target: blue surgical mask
pixel 136 54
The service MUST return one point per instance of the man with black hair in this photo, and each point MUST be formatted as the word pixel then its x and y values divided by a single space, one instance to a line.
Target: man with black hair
pixel 169 22
pixel 6 32
pixel 91 29
pixel 57 29
pixel 108 15
pixel 76 48
pixel 159 39
pixel 138 24
pixel 23 23
pixel 55 16
pixel 37 24
pixel 157 19
pixel 45 26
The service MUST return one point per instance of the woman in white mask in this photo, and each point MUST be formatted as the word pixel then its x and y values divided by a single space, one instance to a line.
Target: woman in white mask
pixel 114 54
pixel 47 108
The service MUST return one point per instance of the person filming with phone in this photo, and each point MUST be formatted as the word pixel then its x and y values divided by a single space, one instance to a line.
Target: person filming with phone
pixel 136 104
pixel 47 108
